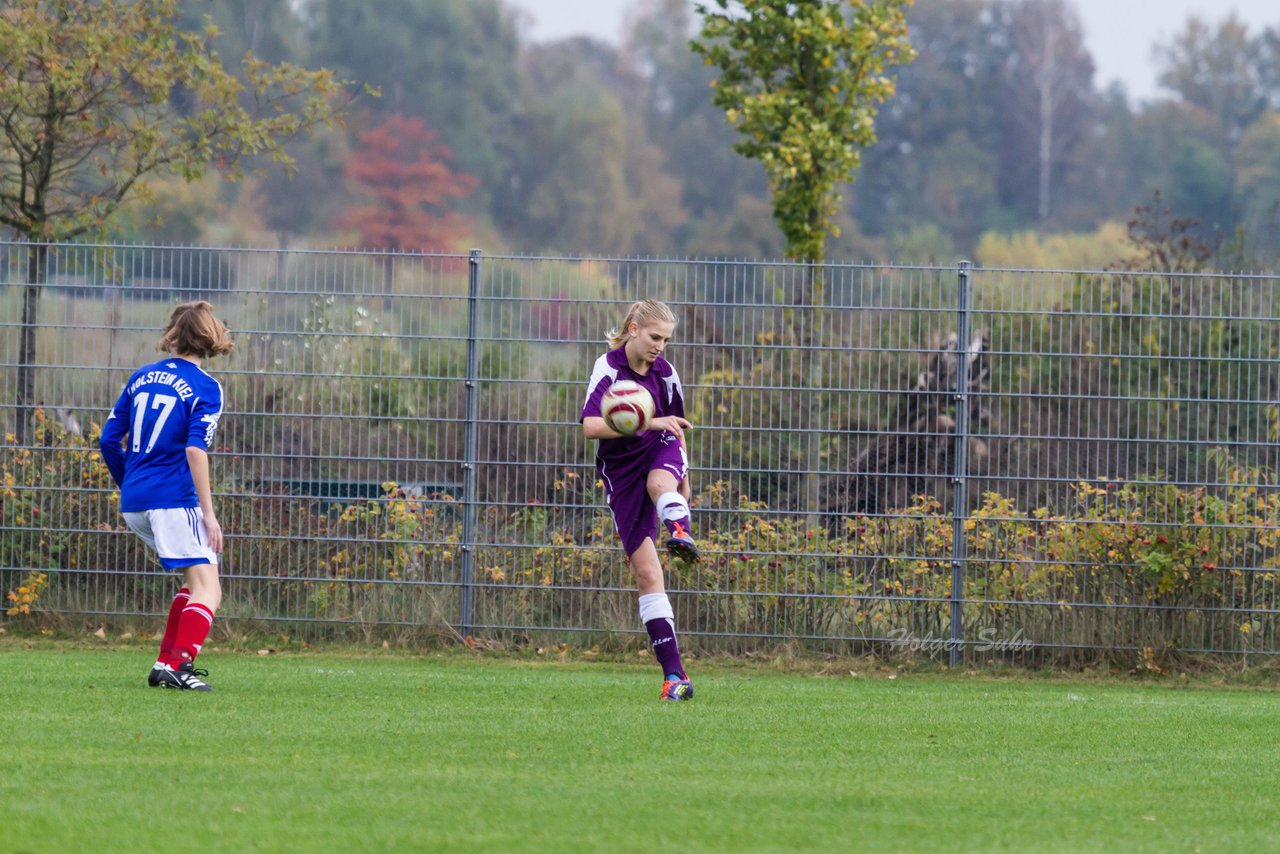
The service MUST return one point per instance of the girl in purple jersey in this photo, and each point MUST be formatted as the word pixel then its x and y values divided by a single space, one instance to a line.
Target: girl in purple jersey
pixel 156 445
pixel 646 476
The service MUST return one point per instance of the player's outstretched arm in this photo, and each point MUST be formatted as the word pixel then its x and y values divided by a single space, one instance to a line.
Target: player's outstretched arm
pixel 595 427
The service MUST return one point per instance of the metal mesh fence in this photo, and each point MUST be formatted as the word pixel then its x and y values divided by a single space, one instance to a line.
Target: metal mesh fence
pixel 977 463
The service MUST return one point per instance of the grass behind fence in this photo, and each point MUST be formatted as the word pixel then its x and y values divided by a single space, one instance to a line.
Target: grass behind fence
pixel 457 751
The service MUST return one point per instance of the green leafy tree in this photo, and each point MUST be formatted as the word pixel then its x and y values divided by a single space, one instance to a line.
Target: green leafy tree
pixel 569 178
pixel 1200 185
pixel 1221 70
pixel 299 198
pixel 747 231
pixel 299 201
pixel 1226 82
pixel 1174 149
pixel 88 111
pixel 801 82
pixel 1111 173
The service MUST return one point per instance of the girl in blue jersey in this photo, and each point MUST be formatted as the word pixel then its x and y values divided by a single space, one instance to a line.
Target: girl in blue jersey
pixel 156 444
pixel 646 476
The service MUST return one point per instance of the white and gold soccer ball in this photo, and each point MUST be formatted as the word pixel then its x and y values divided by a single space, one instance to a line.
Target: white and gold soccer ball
pixel 627 407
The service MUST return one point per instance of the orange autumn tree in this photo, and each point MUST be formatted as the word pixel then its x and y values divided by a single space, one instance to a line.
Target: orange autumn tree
pixel 411 188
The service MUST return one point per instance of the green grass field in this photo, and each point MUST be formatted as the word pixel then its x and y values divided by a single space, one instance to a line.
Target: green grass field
pixel 461 751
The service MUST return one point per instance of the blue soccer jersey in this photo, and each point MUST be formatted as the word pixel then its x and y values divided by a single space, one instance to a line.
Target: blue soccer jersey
pixel 165 408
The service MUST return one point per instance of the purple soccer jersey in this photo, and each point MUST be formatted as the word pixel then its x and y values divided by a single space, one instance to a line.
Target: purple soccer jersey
pixel 624 463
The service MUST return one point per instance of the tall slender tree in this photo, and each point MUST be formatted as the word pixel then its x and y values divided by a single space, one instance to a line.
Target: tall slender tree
pixel 801 82
pixel 1049 102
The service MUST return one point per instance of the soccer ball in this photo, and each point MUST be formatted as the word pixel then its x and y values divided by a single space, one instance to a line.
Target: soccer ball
pixel 627 407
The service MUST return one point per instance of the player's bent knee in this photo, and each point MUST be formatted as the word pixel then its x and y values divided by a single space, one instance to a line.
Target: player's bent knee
pixel 661 481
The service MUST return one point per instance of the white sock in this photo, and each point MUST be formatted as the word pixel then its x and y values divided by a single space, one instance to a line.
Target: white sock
pixel 655 606
pixel 673 508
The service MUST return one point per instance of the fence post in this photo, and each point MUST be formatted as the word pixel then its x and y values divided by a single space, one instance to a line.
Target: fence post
pixel 466 605
pixel 960 471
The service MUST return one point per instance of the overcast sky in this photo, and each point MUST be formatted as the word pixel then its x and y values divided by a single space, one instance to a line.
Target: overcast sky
pixel 1120 33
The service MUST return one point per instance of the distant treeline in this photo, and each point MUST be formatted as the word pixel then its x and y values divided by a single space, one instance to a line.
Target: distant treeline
pixel 583 147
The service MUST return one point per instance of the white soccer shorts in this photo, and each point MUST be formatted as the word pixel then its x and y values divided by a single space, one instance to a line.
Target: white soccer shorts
pixel 175 533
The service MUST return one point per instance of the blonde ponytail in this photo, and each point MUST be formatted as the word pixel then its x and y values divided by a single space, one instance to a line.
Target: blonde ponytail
pixel 641 313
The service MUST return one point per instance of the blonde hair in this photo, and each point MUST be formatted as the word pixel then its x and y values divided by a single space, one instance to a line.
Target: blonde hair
pixel 641 313
pixel 193 330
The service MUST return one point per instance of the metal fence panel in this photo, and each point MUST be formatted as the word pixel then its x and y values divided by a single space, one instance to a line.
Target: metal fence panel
pixel 976 463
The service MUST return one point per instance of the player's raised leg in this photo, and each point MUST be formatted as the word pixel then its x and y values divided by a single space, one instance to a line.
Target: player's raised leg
pixel 673 508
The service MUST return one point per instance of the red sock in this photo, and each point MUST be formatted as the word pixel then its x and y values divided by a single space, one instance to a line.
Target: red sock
pixel 171 624
pixel 193 628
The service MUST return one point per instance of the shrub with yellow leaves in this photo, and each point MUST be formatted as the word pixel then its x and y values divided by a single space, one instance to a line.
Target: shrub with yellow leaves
pixel 27 593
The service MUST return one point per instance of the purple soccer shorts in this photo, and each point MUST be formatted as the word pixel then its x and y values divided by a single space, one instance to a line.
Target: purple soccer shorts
pixel 634 515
